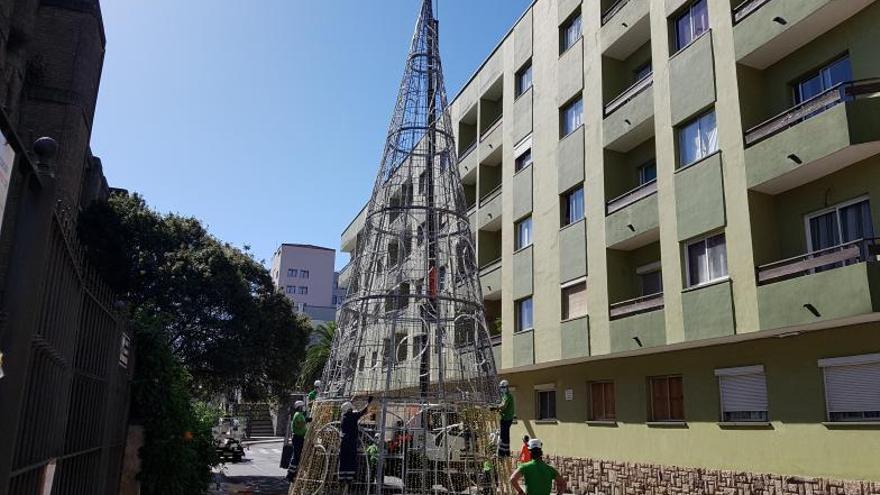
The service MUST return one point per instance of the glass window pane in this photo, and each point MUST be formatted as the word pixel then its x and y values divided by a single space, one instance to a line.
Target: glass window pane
pixel 700 18
pixel 708 135
pixel 647 173
pixel 838 72
pixel 823 231
pixel 651 283
pixel 717 250
pixel 689 143
pixel 855 222
pixel 810 88
pixel 576 205
pixel 697 265
pixel 683 31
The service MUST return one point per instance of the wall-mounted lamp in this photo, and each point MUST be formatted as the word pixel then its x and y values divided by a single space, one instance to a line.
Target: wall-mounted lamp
pixel 795 158
pixel 630 227
pixel 780 21
pixel 812 309
pixel 638 341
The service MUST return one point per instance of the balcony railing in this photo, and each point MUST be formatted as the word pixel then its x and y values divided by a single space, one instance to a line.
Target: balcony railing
pixel 630 93
pixel 491 127
pixel 490 266
pixel 651 302
pixel 630 197
pixel 845 254
pixel 489 196
pixel 746 8
pixel 467 151
pixel 842 92
pixel 614 9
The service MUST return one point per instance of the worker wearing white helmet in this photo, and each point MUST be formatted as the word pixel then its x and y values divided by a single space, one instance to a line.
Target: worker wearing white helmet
pixel 314 393
pixel 507 410
pixel 349 444
pixel 298 430
pixel 538 475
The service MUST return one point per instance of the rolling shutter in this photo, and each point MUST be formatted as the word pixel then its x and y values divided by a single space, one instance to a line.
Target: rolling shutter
pixel 852 388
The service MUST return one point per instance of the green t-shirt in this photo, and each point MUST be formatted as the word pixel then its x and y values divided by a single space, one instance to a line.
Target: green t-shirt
pixel 538 476
pixel 298 424
pixel 373 453
pixel 313 395
pixel 508 409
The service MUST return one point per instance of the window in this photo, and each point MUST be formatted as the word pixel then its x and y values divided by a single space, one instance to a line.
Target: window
pixel 667 399
pixel 697 139
pixel 523 161
pixel 523 230
pixel 304 290
pixel 706 260
pixel 743 394
pixel 650 279
pixel 291 272
pixel 291 289
pixel 401 353
pixel 441 279
pixel 690 24
pixel 420 234
pixel 546 404
pixel 602 401
pixel 423 182
pixel 642 71
pixel 523 314
pixel 304 274
pixel 572 206
pixel 571 116
pixel 569 32
pixel 823 79
pixel 852 387
pixel 574 301
pixel 647 172
pixel 842 223
pixel 523 79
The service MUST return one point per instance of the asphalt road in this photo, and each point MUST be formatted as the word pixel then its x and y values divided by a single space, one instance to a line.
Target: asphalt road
pixel 258 473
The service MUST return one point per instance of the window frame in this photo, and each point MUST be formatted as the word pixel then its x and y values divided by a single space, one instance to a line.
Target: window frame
pixel 576 17
pixel 797 95
pixel 292 273
pixel 605 417
pixel 517 242
pixel 550 390
pixel 304 274
pixel 564 132
pixel 565 308
pixel 520 164
pixel 730 373
pixel 687 260
pixel 641 169
pixel 519 88
pixel 565 217
pixel 687 10
pixel 701 154
pixel 846 361
pixel 518 316
pixel 652 414
pixel 648 269
pixel 836 208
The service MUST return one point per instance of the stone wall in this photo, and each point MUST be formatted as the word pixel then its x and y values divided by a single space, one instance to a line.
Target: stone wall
pixel 591 476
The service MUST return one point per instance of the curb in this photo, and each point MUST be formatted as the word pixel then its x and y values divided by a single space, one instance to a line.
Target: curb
pixel 262 441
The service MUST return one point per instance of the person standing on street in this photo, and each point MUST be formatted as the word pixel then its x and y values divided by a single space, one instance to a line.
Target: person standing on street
pixel 524 454
pixel 298 429
pixel 349 444
pixel 539 476
pixel 507 410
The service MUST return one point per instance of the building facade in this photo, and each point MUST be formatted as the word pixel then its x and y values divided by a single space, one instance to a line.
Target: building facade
pixel 675 204
pixel 67 360
pixel 305 274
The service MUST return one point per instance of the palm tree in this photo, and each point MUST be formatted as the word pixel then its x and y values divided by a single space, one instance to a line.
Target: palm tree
pixel 317 354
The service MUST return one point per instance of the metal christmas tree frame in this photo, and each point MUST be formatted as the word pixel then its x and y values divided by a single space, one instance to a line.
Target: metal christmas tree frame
pixel 412 331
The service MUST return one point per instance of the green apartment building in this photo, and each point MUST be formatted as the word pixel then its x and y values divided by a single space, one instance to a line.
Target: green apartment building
pixel 675 205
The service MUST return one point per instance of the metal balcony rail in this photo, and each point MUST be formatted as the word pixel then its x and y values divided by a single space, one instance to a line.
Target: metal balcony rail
pixel 651 302
pixel 842 92
pixel 491 127
pixel 630 197
pixel 467 151
pixel 614 9
pixel 747 8
pixel 490 266
pixel 629 93
pixel 489 196
pixel 845 254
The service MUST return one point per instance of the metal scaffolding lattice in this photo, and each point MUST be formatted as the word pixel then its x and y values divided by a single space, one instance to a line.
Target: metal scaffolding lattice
pixel 412 330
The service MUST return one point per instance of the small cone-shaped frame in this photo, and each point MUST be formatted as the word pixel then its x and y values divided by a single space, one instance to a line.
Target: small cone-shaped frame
pixel 412 331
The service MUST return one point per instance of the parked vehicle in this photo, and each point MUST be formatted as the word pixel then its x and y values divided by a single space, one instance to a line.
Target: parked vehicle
pixel 228 435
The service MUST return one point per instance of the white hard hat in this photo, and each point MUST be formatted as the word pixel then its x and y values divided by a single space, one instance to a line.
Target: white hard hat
pixel 298 404
pixel 503 384
pixel 346 407
pixel 535 444
pixel 317 383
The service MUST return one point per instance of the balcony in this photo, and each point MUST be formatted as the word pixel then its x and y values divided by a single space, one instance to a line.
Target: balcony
pixel 348 243
pixel 630 197
pixel 629 117
pixel 795 291
pixel 490 280
pixel 489 213
pixel 642 304
pixel 766 31
pixel 638 323
pixel 496 350
pixel 625 27
pixel 636 222
pixel 345 275
pixel 819 136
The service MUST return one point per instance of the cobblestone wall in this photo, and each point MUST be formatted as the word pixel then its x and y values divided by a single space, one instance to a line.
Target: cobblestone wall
pixel 590 476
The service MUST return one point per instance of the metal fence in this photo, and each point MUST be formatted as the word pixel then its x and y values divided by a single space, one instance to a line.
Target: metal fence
pixel 72 426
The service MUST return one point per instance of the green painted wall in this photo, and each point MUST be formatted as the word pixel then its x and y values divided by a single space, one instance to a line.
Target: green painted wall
pixel 648 327
pixel 621 169
pixel 570 171
pixel 623 283
pixel 575 338
pixel 699 190
pixel 708 311
pixel 523 348
pixel 618 75
pixel 522 273
pixel 572 252
pixel 689 94
pixel 641 215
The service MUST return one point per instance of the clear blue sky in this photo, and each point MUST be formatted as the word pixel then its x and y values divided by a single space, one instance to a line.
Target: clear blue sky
pixel 265 118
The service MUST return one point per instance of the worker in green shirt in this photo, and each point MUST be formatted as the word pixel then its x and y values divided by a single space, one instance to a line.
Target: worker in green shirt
pixel 314 393
pixel 373 456
pixel 298 429
pixel 507 410
pixel 488 478
pixel 539 476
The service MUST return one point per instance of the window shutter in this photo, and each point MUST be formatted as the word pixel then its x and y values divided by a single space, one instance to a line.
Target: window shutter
pixel 676 398
pixel 743 393
pixel 597 399
pixel 853 388
pixel 610 412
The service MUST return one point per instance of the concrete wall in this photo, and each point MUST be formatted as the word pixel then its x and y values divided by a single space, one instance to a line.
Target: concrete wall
pixel 318 261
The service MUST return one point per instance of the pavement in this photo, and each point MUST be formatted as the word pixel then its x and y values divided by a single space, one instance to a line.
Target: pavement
pixel 257 474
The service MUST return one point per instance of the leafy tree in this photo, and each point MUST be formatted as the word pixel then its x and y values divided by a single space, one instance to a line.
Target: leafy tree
pixel 317 354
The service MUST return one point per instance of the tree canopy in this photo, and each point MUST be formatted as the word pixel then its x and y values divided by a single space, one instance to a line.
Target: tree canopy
pixel 216 306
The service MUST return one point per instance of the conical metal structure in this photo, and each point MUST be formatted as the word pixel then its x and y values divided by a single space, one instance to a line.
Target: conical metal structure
pixel 412 331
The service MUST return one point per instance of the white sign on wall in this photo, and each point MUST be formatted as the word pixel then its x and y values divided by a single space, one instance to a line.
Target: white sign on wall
pixel 7 157
pixel 569 394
